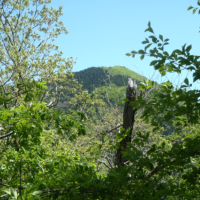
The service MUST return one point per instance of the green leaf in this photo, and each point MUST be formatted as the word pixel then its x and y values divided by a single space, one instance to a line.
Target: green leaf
pixel 142 57
pixel 82 115
pixel 189 48
pixel 184 86
pixel 153 62
pixel 7 191
pixel 144 42
pixel 149 29
pixel 147 46
pixel 194 10
pixel 154 39
pixel 12 192
pixel 186 81
pixel 134 52
pixel 177 51
pixel 183 47
pixel 165 53
pixel 141 52
pixel 168 83
pixel 37 193
pixel 142 86
pixel 99 147
pixel 190 68
pixel 190 8
pixel 153 123
pixel 128 54
pixel 161 37
pixel 162 71
pixel 149 23
pixel 170 68
pixel 125 100
pixel 196 77
pixel 43 82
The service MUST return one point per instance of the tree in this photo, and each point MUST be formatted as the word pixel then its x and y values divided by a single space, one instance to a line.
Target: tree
pixel 32 69
pixel 128 121
pixel 25 51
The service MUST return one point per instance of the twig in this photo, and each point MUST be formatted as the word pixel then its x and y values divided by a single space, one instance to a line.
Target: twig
pixel 3 184
pixel 114 128
pixel 104 164
pixel 108 161
pixel 7 135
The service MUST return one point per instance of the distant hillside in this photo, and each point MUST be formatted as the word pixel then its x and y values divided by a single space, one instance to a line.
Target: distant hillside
pixel 94 77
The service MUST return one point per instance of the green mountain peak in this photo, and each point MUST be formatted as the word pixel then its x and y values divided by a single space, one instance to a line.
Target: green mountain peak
pixel 122 70
pixel 94 77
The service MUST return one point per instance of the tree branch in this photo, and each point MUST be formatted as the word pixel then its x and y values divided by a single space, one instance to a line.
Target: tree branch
pixel 7 135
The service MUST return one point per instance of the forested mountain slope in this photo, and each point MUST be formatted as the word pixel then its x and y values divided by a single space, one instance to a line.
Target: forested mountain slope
pixel 104 76
pixel 108 82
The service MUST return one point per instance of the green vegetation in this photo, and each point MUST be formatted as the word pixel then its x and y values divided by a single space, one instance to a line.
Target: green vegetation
pixel 59 142
pixel 94 77
pixel 120 70
pixel 109 83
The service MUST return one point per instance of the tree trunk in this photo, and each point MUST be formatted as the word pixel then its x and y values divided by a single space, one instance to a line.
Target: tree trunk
pixel 128 121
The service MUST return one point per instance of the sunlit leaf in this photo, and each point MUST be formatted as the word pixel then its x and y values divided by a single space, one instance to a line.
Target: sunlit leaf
pixel 142 57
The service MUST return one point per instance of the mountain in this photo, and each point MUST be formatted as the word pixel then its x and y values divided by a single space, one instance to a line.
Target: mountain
pixel 109 82
pixel 94 77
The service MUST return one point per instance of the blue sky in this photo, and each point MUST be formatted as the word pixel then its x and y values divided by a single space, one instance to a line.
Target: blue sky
pixel 102 32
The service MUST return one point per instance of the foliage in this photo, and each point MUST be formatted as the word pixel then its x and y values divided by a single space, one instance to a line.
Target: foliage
pixel 31 123
pixel 27 147
pixel 173 165
pixel 91 78
pixel 46 152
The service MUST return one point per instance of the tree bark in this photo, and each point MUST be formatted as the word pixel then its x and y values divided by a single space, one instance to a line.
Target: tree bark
pixel 128 121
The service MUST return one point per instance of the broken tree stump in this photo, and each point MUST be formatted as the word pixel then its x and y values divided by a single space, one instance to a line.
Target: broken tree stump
pixel 128 121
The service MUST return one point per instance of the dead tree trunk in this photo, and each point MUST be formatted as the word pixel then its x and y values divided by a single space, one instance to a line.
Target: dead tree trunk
pixel 128 121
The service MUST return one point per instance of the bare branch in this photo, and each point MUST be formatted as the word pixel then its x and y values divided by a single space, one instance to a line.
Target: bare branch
pixel 2 196
pixel 7 135
pixel 114 128
pixel 3 184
